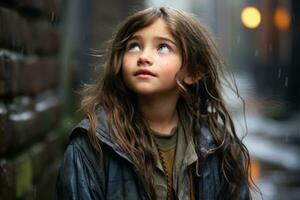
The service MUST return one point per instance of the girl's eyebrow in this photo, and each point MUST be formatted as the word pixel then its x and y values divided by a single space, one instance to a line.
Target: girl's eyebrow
pixel 161 38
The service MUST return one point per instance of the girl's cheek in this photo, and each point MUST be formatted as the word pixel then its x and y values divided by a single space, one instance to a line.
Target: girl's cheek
pixel 128 60
pixel 169 75
pixel 170 70
pixel 126 68
pixel 125 64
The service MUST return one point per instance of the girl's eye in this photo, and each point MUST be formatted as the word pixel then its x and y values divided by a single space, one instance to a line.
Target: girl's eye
pixel 164 48
pixel 134 47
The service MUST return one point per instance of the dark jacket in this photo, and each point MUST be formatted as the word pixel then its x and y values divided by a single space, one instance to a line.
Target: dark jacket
pixel 86 175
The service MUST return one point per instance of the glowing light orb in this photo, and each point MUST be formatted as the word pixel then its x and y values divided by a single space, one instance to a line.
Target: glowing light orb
pixel 251 17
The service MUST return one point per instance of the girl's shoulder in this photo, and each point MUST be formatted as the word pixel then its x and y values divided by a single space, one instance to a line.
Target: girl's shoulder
pixel 79 141
pixel 79 137
pixel 80 160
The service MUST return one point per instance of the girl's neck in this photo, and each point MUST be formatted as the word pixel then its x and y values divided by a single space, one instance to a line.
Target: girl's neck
pixel 160 113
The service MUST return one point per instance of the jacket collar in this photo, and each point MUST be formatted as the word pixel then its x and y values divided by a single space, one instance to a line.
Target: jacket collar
pixel 205 146
pixel 102 132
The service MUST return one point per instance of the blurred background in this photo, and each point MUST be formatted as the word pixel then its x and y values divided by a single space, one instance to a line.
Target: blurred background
pixel 46 54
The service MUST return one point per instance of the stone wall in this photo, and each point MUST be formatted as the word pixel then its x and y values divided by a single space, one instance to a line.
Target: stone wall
pixel 30 107
pixel 33 113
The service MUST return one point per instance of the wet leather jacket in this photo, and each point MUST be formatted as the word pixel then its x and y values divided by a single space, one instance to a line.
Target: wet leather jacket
pixel 86 175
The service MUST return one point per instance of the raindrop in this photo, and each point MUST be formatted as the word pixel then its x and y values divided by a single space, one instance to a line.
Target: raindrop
pixel 238 39
pixel 279 72
pixel 286 81
pixel 256 52
pixel 52 16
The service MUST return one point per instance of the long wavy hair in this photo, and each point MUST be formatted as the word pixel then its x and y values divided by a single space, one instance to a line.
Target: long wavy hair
pixel 202 101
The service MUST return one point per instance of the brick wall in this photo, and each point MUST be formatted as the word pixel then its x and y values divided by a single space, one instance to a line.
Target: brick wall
pixel 33 117
pixel 30 108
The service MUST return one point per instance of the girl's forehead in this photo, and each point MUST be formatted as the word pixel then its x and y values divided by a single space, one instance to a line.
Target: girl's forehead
pixel 159 28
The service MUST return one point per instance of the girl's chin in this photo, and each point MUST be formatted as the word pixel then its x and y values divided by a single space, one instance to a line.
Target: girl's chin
pixel 144 89
pixel 145 92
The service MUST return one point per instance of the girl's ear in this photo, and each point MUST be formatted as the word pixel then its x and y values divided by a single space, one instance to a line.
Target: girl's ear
pixel 190 80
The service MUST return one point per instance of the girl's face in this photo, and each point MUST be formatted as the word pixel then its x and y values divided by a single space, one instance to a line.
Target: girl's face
pixel 151 61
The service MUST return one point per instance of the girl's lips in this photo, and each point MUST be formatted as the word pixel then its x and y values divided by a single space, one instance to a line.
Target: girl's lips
pixel 143 72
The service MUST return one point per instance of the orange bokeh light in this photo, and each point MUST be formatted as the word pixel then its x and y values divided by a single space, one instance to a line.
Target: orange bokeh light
pixel 255 170
pixel 282 19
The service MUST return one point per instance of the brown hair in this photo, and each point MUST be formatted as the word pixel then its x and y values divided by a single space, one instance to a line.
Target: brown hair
pixel 203 99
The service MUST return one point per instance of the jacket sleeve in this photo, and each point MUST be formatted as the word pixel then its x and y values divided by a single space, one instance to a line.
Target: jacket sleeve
pixel 79 176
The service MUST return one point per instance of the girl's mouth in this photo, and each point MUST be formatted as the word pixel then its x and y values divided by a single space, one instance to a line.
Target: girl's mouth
pixel 144 73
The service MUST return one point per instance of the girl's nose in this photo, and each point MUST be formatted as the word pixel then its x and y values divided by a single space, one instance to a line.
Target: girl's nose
pixel 145 58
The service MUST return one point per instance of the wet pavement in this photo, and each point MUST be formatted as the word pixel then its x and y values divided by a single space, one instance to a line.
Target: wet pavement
pixel 274 145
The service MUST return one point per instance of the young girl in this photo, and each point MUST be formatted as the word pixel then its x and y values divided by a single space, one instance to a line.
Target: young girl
pixel 156 125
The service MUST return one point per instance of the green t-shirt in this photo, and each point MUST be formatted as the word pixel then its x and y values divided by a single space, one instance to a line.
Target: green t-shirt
pixel 166 145
pixel 178 151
